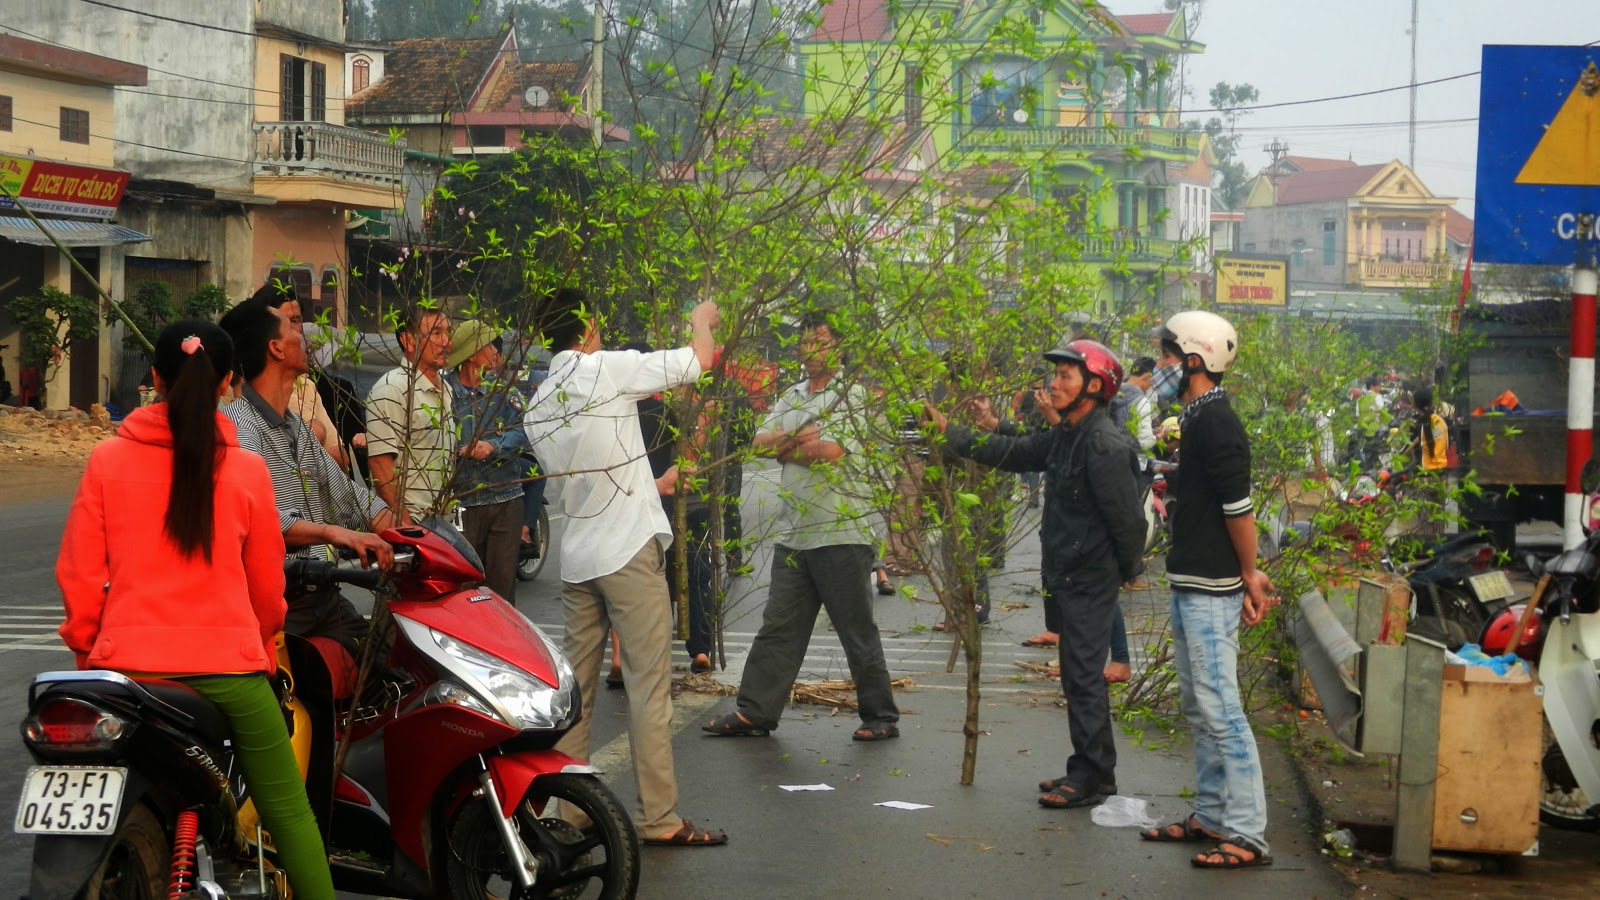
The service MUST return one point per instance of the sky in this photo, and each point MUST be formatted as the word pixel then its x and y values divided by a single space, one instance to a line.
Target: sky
pixel 1305 49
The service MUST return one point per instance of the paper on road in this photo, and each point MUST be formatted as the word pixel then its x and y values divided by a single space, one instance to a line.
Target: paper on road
pixel 901 804
pixel 806 787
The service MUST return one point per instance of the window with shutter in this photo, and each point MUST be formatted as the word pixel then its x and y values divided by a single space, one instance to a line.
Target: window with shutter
pixel 74 125
pixel 286 92
pixel 5 113
pixel 299 278
pixel 319 92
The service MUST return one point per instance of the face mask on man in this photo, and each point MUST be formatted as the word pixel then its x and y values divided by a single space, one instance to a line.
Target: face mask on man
pixel 1167 382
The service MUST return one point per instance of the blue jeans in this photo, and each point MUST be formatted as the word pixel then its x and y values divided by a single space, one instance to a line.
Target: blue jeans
pixel 1119 638
pixel 1230 798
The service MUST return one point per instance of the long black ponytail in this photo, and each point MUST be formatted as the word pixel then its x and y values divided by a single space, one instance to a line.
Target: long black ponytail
pixel 192 358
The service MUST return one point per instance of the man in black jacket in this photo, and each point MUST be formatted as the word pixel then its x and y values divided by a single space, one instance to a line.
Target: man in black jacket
pixel 1092 539
pixel 1215 586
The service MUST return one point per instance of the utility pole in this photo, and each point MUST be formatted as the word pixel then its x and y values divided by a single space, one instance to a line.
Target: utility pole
pixel 597 69
pixel 1412 159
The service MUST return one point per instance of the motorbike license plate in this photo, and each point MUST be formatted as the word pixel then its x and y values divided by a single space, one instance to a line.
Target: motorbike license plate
pixel 70 800
pixel 1491 586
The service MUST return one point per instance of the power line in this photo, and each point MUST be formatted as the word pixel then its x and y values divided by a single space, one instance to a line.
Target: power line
pixel 151 15
pixel 194 153
pixel 1399 87
pixel 332 101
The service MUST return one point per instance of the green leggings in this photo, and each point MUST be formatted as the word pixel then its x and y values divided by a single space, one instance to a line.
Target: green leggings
pixel 262 744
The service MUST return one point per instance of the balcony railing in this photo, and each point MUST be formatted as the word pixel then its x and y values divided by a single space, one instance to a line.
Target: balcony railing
pixel 1368 270
pixel 1084 137
pixel 1134 248
pixel 350 154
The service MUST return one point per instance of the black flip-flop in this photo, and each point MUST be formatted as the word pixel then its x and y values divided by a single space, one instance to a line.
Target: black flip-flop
pixel 875 733
pixel 1230 859
pixel 1192 833
pixel 1067 796
pixel 731 725
pixel 1050 784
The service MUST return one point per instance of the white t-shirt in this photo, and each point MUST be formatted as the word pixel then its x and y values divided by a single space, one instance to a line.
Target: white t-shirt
pixel 583 425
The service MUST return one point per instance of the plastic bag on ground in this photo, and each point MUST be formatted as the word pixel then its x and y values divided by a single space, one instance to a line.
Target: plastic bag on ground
pixel 1121 812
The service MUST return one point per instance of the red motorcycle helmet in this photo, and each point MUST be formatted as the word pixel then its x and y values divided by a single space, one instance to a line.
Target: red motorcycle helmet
pixel 1497 634
pixel 1097 361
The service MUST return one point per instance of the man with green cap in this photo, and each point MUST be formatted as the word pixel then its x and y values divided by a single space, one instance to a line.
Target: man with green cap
pixel 487 483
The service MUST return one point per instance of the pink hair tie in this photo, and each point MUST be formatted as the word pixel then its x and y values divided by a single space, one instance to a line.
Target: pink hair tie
pixel 191 344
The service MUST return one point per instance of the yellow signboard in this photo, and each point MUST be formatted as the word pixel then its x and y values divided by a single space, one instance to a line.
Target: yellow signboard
pixel 14 172
pixel 1253 280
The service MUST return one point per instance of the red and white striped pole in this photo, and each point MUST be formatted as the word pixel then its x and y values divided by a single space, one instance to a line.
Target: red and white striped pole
pixel 1580 397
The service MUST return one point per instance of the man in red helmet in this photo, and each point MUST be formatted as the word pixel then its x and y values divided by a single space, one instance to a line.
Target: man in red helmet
pixel 1092 538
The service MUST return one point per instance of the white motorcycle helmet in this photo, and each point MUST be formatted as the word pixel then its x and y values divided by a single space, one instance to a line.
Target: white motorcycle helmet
pixel 1204 334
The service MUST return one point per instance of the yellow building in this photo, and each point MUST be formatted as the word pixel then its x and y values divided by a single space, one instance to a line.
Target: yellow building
pixel 316 170
pixel 1344 225
pixel 56 121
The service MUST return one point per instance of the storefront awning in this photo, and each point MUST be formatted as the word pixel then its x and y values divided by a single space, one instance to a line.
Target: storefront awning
pixel 70 232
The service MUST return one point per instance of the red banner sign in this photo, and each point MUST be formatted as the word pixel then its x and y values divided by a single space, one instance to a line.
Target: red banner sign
pixel 52 187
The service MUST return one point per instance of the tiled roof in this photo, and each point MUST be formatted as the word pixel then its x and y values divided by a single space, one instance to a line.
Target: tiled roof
pixel 426 75
pixel 853 20
pixel 779 142
pixel 561 79
pixel 988 180
pixel 1327 184
pixel 1149 23
pixel 1458 226
pixel 1317 164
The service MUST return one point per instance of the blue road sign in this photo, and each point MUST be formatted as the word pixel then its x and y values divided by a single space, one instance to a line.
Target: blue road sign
pixel 1538 155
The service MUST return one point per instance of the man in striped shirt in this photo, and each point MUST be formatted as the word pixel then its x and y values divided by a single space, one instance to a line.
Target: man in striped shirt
pixel 319 507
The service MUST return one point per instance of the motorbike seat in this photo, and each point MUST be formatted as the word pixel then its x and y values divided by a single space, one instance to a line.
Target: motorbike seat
pixel 209 722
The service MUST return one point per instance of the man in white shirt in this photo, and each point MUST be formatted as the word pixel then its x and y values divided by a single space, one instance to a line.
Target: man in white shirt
pixel 583 423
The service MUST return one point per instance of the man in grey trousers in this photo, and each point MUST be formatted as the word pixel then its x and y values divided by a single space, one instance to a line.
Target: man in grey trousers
pixel 824 553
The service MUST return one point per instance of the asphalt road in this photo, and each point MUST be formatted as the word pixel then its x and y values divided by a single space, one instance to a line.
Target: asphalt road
pixel 983 840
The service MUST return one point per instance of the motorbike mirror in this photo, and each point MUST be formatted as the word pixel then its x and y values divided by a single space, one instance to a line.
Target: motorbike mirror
pixel 1589 479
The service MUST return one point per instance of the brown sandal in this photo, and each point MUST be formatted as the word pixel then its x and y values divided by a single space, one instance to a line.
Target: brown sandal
pixel 689 835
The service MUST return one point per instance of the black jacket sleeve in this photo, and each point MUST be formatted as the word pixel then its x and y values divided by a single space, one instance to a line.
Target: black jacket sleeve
pixel 1028 453
pixel 1116 494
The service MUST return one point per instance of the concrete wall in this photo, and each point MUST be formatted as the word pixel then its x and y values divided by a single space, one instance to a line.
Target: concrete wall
pixel 318 18
pixel 200 82
pixel 36 105
pixel 1275 229
pixel 311 236
pixel 214 234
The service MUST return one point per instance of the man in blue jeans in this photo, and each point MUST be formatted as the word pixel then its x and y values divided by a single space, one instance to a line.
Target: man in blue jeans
pixel 1215 586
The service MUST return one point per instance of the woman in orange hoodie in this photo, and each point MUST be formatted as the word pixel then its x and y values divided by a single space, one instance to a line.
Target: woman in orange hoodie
pixel 172 565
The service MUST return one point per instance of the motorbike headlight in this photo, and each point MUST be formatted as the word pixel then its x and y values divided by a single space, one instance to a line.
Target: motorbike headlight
pixel 526 701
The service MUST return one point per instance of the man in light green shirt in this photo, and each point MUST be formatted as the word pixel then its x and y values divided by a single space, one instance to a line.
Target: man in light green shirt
pixel 410 434
pixel 825 549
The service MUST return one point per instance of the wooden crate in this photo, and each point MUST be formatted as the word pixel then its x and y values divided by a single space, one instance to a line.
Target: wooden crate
pixel 1486 799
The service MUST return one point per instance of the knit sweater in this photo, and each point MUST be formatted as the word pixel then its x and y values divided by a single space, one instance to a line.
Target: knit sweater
pixel 1213 486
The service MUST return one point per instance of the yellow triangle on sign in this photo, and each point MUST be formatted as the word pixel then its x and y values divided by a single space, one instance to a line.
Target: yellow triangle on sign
pixel 1569 152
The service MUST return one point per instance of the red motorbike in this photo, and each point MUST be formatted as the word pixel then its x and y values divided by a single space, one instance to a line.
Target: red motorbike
pixel 446 785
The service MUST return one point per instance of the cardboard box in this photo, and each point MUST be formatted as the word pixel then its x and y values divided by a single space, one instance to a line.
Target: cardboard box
pixel 1486 798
